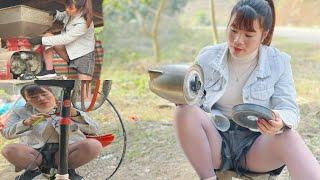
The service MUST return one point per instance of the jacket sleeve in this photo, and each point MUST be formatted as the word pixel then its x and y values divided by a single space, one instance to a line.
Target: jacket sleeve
pixel 78 30
pixel 14 127
pixel 85 123
pixel 283 100
pixel 204 58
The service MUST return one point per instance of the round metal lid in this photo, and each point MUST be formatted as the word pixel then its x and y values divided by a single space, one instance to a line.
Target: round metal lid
pixel 193 85
pixel 247 114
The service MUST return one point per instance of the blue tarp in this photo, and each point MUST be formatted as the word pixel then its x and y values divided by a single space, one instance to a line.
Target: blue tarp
pixel 5 107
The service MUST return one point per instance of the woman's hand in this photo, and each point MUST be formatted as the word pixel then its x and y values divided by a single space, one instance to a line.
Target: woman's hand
pixel 35 41
pixel 272 126
pixel 48 34
pixel 35 119
pixel 73 112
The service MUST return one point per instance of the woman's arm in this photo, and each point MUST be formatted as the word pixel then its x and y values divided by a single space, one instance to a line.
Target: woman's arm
pixel 77 31
pixel 85 123
pixel 283 100
pixel 14 127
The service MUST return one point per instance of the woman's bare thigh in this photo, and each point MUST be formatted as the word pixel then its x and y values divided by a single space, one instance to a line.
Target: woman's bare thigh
pixel 262 155
pixel 192 118
pixel 215 141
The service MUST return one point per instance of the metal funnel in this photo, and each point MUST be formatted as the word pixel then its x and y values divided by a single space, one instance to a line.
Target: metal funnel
pixel 178 83
pixel 23 21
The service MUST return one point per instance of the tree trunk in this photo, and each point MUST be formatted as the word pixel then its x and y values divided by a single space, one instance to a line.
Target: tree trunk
pixel 214 24
pixel 154 31
pixel 142 23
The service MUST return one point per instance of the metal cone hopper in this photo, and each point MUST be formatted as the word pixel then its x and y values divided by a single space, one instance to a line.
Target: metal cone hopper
pixel 23 21
pixel 177 83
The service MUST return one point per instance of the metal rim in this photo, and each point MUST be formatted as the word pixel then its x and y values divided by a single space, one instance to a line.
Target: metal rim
pixel 247 114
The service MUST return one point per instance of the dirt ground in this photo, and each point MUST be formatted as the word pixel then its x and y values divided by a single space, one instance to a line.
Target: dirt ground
pixel 152 154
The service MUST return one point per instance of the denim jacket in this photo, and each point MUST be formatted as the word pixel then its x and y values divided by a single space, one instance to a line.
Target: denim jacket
pixel 270 85
pixel 47 131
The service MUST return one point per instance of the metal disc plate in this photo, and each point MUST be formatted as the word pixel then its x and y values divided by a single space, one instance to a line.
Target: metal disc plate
pixel 247 114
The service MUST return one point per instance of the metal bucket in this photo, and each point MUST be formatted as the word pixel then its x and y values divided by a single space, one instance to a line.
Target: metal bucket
pixel 23 21
pixel 178 83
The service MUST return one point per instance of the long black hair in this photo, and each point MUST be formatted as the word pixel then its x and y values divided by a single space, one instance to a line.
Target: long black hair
pixel 247 11
pixel 85 6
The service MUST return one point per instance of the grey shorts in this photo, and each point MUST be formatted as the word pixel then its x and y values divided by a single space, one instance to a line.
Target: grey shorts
pixel 236 142
pixel 83 64
pixel 48 156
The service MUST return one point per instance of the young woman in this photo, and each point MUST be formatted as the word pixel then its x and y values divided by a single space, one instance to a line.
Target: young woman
pixel 246 70
pixel 36 125
pixel 76 42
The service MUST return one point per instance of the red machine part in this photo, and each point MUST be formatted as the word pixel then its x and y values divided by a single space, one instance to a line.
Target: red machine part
pixel 104 139
pixel 4 70
pixel 17 44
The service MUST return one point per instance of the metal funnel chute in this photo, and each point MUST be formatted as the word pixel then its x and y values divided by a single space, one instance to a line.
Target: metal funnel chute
pixel 183 84
pixel 23 21
pixel 178 83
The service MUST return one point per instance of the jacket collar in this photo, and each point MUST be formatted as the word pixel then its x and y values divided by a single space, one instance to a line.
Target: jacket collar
pixel 75 19
pixel 220 61
pixel 263 69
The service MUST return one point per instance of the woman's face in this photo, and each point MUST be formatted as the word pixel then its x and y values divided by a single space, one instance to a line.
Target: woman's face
pixel 71 10
pixel 242 42
pixel 43 101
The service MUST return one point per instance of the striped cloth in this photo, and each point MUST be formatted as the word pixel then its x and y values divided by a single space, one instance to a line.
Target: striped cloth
pixel 62 69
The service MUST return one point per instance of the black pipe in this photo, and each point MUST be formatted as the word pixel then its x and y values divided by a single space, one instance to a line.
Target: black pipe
pixel 65 120
pixel 64 132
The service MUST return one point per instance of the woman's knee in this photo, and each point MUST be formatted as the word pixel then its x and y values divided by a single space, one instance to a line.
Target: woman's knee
pixel 96 146
pixel 11 150
pixel 7 150
pixel 288 136
pixel 92 146
pixel 187 114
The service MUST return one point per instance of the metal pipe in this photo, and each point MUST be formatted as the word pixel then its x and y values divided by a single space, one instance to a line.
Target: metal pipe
pixel 64 132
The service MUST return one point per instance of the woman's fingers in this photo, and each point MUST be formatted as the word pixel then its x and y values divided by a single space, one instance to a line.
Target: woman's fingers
pixel 265 127
pixel 35 119
pixel 265 123
pixel 262 128
pixel 276 124
pixel 48 34
pixel 43 115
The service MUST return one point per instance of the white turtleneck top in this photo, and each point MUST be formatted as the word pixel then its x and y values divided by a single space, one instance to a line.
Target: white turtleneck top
pixel 240 70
